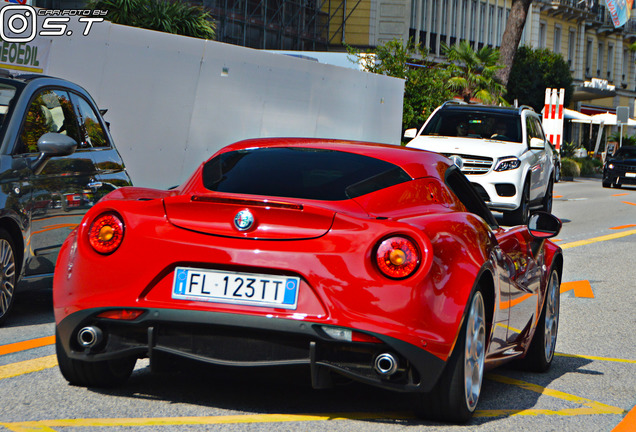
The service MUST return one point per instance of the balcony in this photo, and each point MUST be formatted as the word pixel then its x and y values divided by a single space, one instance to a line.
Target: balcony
pixel 570 9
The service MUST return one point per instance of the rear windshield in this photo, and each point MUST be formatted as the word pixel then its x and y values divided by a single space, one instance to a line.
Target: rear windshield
pixel 314 174
pixel 475 124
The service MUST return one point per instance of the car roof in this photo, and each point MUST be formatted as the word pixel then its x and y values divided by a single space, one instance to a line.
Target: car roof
pixel 502 110
pixel 415 162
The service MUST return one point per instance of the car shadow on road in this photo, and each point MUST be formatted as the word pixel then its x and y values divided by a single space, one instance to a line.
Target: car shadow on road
pixel 288 391
pixel 31 307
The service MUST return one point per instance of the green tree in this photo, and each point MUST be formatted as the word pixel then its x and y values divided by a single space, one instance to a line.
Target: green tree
pixel 424 86
pixel 169 16
pixel 549 70
pixel 472 73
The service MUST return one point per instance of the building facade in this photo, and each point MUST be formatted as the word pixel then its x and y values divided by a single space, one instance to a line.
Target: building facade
pixel 581 31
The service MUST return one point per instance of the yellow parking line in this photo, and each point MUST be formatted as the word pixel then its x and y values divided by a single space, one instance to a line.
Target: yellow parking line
pixel 597 239
pixel 609 359
pixel 593 407
pixel 28 366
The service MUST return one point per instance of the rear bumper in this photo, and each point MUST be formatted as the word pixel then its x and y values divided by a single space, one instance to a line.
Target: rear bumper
pixel 250 341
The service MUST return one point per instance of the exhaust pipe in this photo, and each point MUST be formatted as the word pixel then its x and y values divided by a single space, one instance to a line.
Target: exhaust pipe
pixel 385 364
pixel 89 336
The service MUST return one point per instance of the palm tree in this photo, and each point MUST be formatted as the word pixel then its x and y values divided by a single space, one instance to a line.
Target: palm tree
pixel 162 15
pixel 472 73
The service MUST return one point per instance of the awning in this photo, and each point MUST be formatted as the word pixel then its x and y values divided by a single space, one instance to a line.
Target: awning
pixel 607 119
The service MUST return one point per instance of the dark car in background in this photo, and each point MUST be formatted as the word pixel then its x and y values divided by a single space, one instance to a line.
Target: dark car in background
pixel 620 169
pixel 57 159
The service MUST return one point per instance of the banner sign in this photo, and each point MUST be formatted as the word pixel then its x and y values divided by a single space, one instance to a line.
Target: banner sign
pixel 29 57
pixel 619 10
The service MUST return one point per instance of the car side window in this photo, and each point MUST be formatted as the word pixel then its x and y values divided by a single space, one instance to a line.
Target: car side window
pixel 538 129
pixel 50 111
pixel 92 131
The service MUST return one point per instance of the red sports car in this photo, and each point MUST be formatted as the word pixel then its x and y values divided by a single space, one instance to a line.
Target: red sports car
pixel 376 262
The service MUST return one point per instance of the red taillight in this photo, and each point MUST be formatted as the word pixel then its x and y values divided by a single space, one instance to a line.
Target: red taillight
pixel 397 257
pixel 121 314
pixel 106 233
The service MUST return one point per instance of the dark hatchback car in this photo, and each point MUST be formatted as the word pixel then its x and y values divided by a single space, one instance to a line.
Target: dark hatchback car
pixel 57 159
pixel 620 169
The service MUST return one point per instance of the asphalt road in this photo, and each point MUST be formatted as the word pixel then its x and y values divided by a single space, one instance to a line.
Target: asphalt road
pixel 591 386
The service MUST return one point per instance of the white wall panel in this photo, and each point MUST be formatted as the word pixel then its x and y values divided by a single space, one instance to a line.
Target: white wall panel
pixel 173 101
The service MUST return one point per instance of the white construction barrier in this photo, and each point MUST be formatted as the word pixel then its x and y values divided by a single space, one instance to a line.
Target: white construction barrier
pixel 173 101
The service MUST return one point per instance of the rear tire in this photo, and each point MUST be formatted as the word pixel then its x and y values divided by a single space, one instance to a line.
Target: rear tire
pixel 107 373
pixel 541 351
pixel 8 275
pixel 455 396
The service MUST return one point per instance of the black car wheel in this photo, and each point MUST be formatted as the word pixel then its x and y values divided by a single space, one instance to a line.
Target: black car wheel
pixel 455 396
pixel 521 215
pixel 7 274
pixel 607 183
pixel 107 373
pixel 541 351
pixel 548 198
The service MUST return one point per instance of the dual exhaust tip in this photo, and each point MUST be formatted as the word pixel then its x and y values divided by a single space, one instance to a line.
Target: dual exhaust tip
pixel 385 364
pixel 89 336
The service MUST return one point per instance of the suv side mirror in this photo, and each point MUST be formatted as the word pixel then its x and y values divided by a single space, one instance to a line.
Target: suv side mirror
pixel 50 145
pixel 544 225
pixel 410 133
pixel 537 144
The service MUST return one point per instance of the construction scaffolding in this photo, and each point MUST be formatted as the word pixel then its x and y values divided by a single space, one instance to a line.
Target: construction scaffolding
pixel 305 25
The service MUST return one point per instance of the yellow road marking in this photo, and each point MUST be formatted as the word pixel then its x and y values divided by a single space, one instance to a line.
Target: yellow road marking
pixel 592 407
pixel 28 366
pixel 630 203
pixel 587 357
pixel 598 239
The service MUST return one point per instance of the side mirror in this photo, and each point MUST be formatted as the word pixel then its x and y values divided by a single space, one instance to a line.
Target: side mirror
pixel 537 144
pixel 544 225
pixel 410 133
pixel 51 145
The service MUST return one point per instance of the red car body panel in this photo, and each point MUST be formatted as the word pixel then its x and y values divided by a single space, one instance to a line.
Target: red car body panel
pixel 329 245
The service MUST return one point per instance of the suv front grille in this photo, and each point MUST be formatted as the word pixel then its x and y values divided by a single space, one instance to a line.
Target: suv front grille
pixel 473 164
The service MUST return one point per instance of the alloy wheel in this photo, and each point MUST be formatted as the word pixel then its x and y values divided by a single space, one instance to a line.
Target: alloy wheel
pixel 551 317
pixel 474 351
pixel 7 276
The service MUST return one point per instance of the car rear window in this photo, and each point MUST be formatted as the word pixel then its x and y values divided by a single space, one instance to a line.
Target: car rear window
pixel 475 124
pixel 315 174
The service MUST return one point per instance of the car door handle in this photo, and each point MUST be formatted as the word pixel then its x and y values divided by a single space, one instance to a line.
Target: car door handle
pixel 95 185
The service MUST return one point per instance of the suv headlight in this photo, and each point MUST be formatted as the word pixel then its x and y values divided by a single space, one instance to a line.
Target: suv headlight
pixel 507 163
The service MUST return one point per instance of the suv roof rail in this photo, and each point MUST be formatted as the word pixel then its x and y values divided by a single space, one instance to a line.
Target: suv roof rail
pixel 522 107
pixel 454 102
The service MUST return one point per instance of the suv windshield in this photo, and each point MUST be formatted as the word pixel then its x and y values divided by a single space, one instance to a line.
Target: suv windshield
pixel 300 173
pixel 475 124
pixel 6 95
pixel 628 152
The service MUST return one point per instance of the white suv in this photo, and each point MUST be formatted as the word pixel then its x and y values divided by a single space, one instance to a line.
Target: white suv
pixel 503 152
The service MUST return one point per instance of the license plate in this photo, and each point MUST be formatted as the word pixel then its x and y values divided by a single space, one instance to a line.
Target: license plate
pixel 236 288
pixel 630 174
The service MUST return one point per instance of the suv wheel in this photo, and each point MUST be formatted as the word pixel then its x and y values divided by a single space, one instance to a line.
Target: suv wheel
pixel 548 198
pixel 521 215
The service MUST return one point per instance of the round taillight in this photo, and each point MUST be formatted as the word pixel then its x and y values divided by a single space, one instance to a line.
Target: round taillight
pixel 397 257
pixel 106 233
